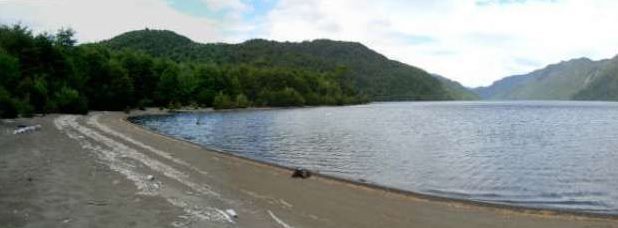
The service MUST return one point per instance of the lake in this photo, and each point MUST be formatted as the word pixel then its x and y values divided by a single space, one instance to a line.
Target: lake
pixel 542 154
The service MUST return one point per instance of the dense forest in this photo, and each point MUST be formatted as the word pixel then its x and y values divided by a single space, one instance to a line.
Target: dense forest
pixel 369 72
pixel 44 73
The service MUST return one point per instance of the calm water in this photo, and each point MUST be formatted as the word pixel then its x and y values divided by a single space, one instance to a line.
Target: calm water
pixel 536 154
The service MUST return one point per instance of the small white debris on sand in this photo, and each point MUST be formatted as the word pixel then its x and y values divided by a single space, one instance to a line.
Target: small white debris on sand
pixel 231 212
pixel 27 129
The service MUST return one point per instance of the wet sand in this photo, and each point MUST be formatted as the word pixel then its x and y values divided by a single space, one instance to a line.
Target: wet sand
pixel 93 171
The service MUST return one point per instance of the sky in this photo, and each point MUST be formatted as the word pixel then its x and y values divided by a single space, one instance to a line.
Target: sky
pixel 474 42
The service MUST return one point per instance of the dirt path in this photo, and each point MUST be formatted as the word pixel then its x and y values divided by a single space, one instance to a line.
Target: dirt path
pixel 94 171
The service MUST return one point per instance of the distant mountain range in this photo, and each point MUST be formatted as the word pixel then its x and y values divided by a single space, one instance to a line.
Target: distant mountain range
pixel 371 73
pixel 576 79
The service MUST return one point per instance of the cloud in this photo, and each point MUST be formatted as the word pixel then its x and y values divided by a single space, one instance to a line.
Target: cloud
pixel 219 5
pixel 469 42
pixel 505 2
pixel 96 20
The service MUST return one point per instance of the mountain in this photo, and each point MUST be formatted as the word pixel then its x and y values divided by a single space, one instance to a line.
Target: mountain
pixel 561 81
pixel 502 87
pixel 456 90
pixel 605 86
pixel 369 72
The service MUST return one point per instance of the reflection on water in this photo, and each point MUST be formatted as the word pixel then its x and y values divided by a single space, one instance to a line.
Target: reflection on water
pixel 537 154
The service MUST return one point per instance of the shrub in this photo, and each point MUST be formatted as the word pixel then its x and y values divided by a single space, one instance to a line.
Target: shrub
pixel 242 101
pixel 206 97
pixel 284 98
pixel 68 100
pixel 223 101
pixel 25 109
pixel 174 105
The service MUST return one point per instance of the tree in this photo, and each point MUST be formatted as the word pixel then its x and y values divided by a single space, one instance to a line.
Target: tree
pixel 68 100
pixel 9 73
pixel 8 106
pixel 119 91
pixel 168 86
pixel 64 37
pixel 187 84
pixel 109 86
pixel 242 101
pixel 140 68
pixel 283 98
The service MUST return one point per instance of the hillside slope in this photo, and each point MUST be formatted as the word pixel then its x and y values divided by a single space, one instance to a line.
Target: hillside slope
pixel 369 72
pixel 605 86
pixel 502 87
pixel 560 81
pixel 456 90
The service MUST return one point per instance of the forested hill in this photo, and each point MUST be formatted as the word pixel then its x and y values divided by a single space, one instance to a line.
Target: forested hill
pixel 46 73
pixel 369 72
pixel 574 79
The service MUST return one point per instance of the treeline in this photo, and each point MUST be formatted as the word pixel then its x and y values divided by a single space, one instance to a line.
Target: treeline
pixel 47 73
pixel 368 71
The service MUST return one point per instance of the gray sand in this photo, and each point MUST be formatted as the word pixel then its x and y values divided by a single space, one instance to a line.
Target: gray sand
pixel 92 171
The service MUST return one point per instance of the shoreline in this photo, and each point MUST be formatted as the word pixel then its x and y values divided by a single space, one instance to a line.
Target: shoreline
pixel 100 170
pixel 378 187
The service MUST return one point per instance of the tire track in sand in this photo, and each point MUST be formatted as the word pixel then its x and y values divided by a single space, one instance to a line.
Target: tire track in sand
pixel 116 155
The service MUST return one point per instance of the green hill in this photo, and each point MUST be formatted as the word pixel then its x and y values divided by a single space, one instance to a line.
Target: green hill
pixel 369 72
pixel 43 73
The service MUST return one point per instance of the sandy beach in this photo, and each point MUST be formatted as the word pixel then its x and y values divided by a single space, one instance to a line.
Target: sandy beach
pixel 101 171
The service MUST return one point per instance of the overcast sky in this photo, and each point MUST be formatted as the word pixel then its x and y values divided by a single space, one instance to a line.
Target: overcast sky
pixel 472 41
